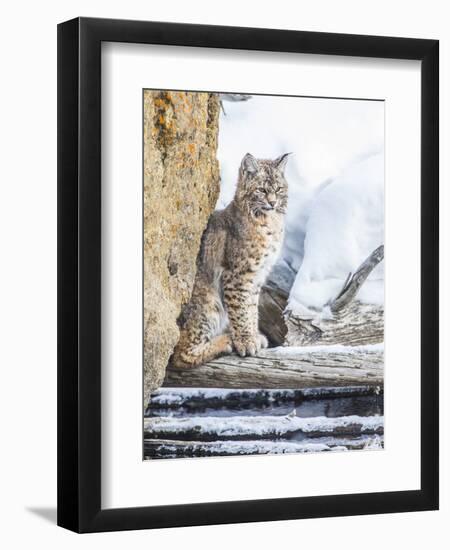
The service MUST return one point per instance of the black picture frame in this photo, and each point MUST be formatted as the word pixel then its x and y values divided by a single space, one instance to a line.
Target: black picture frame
pixel 79 274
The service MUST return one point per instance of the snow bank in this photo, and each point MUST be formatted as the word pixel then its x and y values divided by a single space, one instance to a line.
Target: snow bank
pixel 345 226
pixel 335 212
pixel 324 135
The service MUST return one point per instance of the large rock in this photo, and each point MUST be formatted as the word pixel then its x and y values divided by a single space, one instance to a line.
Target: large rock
pixel 181 186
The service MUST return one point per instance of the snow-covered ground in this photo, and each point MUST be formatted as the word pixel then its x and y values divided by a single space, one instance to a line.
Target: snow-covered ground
pixel 335 215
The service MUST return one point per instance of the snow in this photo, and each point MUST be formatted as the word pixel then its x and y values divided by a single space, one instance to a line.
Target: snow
pixel 260 425
pixel 324 135
pixel 335 216
pixel 345 226
pixel 374 442
pixel 335 348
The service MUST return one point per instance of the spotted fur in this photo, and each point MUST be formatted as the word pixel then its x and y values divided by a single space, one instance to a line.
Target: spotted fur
pixel 239 247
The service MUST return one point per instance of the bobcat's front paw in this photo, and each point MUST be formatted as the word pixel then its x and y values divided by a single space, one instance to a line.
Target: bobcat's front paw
pixel 247 345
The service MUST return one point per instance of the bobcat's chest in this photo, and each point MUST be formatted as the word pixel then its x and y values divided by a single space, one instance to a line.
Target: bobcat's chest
pixel 265 244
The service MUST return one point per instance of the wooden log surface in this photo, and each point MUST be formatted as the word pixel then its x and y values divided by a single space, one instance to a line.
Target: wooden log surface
pixel 160 448
pixel 351 322
pixel 355 325
pixel 272 303
pixel 293 368
pixel 245 428
pixel 199 399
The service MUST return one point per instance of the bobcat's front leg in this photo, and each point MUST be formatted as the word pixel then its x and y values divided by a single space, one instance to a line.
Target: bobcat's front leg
pixel 241 300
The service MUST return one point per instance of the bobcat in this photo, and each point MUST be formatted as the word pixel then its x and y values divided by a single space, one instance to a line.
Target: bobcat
pixel 239 247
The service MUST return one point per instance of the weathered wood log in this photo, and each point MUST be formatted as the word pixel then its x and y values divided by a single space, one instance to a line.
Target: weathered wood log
pixel 291 368
pixel 244 428
pixel 272 302
pixel 159 448
pixel 200 399
pixel 355 325
pixel 350 321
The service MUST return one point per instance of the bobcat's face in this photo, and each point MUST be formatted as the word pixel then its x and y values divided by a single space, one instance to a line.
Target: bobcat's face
pixel 262 187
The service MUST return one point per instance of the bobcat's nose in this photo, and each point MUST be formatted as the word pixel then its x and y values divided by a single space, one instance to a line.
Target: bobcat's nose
pixel 272 203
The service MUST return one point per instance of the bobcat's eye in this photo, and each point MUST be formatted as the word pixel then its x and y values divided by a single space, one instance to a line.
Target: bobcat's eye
pixel 261 190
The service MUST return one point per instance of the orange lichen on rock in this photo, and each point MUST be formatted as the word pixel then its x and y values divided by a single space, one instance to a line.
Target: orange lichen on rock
pixel 181 186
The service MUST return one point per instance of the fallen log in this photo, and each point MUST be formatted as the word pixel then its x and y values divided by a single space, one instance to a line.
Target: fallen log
pixel 241 428
pixel 357 324
pixel 351 322
pixel 272 303
pixel 172 448
pixel 200 399
pixel 323 366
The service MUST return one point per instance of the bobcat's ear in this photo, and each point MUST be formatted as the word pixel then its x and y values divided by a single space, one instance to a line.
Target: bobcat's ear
pixel 281 161
pixel 249 164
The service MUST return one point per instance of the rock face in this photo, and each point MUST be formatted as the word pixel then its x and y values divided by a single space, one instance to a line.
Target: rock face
pixel 181 186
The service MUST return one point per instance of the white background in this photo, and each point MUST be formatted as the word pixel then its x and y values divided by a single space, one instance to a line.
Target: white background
pixel 28 293
pixel 126 479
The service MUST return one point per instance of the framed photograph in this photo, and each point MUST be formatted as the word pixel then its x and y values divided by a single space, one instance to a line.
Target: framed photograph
pixel 247 276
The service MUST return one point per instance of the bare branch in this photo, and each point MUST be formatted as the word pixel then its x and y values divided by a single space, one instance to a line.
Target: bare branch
pixel 354 282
